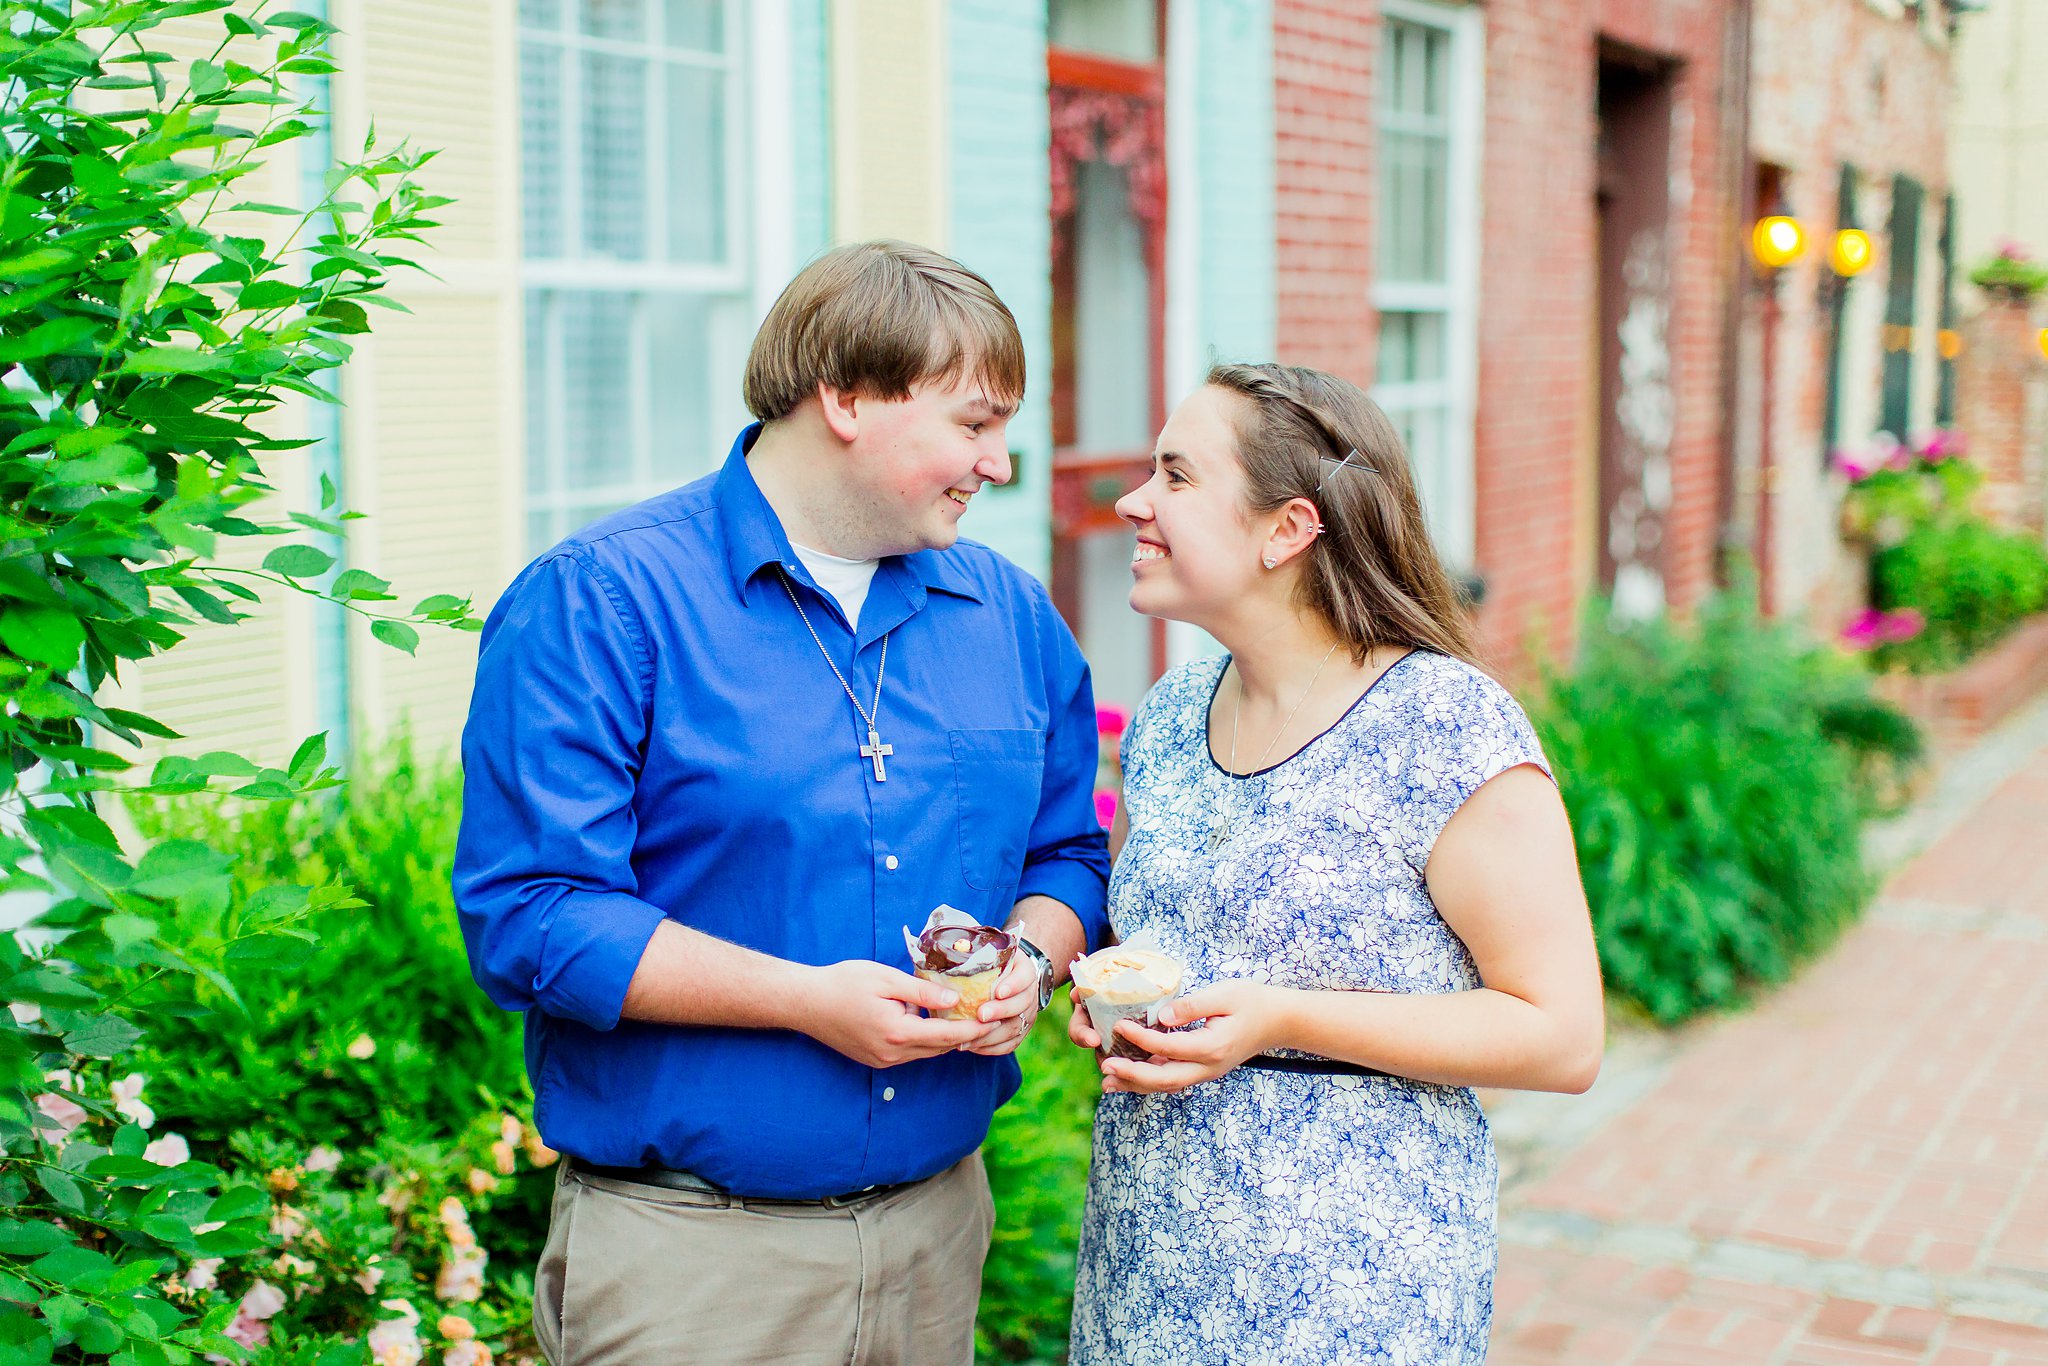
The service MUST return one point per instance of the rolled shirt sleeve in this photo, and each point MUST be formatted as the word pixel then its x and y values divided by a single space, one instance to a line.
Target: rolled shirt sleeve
pixel 544 882
pixel 1068 853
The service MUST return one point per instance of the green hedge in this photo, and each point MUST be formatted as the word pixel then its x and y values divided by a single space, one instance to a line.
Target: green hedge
pixel 1717 778
pixel 1971 581
pixel 280 1080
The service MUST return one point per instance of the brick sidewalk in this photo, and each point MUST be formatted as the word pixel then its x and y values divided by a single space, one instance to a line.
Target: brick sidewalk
pixel 1856 1171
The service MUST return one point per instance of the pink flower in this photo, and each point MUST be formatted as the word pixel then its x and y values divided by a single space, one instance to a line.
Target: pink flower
pixel 127 1094
pixel 1111 719
pixel 322 1159
pixel 1851 465
pixel 504 1156
pixel 538 1152
pixel 203 1274
pixel 481 1182
pixel 361 1047
pixel 455 1328
pixel 509 1128
pixel 371 1276
pixel 1105 808
pixel 286 1223
pixel 262 1301
pixel 396 1341
pixel 1861 632
pixel 66 1114
pixel 251 1333
pixel 468 1352
pixel 1903 624
pixel 171 1150
pixel 461 1280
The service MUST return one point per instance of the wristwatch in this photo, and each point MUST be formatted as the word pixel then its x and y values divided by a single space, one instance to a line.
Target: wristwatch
pixel 1044 970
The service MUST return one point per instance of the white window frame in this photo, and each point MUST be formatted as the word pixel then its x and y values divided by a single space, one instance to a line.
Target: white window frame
pixel 1448 492
pixel 755 61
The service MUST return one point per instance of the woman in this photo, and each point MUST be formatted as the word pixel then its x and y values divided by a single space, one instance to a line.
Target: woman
pixel 1349 835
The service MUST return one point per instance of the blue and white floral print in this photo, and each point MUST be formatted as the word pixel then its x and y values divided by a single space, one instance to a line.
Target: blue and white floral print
pixel 1276 1217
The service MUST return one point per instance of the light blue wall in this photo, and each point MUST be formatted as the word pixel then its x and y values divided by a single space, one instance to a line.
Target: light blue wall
pixel 1001 199
pixel 1238 289
pixel 810 106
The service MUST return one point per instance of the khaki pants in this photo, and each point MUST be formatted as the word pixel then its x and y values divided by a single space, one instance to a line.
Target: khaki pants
pixel 636 1274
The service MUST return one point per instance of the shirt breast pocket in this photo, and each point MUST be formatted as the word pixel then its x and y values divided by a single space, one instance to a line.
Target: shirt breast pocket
pixel 998 774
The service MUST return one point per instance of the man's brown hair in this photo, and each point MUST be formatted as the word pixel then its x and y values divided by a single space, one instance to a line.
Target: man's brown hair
pixel 1373 574
pixel 876 318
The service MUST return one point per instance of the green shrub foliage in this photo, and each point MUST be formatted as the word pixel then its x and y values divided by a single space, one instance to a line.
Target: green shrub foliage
pixel 152 320
pixel 1971 581
pixel 1716 779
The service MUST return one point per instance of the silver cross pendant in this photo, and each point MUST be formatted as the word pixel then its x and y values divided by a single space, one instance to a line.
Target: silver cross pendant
pixel 874 749
pixel 1219 833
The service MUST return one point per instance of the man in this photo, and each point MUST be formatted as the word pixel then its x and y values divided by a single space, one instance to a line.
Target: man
pixel 724 747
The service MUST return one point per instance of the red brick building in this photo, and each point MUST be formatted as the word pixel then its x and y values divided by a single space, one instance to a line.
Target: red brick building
pixel 1559 366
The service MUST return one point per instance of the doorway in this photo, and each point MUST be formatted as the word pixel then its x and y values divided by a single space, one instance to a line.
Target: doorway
pixel 1637 409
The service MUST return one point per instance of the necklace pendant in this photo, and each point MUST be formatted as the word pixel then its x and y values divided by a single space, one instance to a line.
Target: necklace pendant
pixel 1219 833
pixel 875 750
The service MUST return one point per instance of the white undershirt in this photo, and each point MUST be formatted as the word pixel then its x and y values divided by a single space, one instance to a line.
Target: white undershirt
pixel 846 580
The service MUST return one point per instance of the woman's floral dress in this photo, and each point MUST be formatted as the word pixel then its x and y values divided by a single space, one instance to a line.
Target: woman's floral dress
pixel 1277 1216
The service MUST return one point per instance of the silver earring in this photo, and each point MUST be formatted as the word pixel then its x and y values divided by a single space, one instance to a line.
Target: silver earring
pixel 1270 562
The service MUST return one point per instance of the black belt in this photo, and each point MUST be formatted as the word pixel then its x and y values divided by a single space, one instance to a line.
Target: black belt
pixel 668 1178
pixel 1313 1065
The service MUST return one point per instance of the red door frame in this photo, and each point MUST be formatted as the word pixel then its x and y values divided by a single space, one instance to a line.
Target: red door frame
pixel 1086 484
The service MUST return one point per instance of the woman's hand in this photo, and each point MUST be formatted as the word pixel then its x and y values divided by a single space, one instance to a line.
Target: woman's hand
pixel 1242 1021
pixel 1080 1028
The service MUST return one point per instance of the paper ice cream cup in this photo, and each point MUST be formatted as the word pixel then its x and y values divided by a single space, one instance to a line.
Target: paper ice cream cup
pixel 957 953
pixel 1125 983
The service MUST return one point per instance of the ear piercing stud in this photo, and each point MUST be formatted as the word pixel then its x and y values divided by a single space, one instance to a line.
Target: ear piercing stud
pixel 1270 562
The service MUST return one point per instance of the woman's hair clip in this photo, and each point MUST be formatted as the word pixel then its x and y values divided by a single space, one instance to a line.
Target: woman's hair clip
pixel 1341 464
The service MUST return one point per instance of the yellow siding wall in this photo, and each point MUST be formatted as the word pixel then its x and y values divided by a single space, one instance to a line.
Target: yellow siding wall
pixel 433 431
pixel 430 432
pixel 889 120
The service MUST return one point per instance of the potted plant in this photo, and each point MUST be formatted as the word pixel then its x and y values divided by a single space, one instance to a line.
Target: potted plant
pixel 2011 275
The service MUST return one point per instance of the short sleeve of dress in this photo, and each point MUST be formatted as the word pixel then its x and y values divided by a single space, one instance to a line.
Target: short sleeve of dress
pixel 1469 729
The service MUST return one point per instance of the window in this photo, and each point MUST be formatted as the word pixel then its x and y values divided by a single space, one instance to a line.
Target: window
pixel 1424 276
pixel 636 290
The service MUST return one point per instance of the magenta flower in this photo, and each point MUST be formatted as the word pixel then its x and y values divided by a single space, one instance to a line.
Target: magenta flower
pixel 1105 808
pixel 1111 719
pixel 1903 624
pixel 1862 631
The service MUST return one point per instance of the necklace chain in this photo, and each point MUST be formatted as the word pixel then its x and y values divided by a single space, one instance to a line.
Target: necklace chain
pixel 1221 832
pixel 867 717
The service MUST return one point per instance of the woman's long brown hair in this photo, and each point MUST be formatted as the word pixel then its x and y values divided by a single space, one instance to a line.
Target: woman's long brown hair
pixel 1373 574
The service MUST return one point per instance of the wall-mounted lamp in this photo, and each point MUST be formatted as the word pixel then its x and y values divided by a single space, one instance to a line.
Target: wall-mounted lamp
pixel 1777 241
pixel 1851 252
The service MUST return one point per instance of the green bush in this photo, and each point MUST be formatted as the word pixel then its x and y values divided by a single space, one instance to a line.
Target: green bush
pixel 1037 1154
pixel 1717 779
pixel 367 1082
pixel 273 1078
pixel 1970 581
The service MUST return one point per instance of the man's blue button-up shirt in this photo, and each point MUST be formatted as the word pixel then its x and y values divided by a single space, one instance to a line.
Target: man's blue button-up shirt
pixel 655 734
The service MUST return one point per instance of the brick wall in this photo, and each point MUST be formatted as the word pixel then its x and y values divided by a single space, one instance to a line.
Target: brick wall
pixel 1538 375
pixel 2001 389
pixel 1835 82
pixel 1323 77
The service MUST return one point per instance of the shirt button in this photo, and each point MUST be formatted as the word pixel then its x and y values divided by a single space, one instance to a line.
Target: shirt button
pixel 890 863
pixel 888 1093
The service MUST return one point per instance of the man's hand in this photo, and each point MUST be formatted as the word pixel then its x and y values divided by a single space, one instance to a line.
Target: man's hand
pixel 868 1012
pixel 1011 1009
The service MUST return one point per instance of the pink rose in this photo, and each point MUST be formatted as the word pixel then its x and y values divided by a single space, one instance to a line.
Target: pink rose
pixel 171 1150
pixel 1105 808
